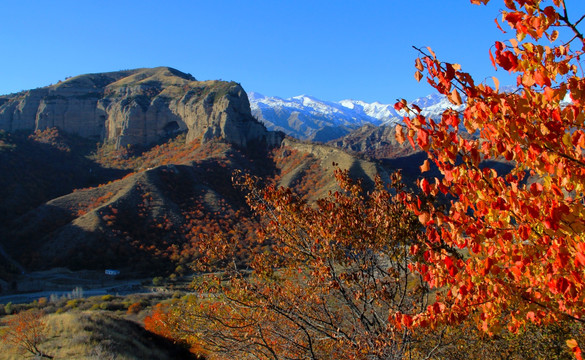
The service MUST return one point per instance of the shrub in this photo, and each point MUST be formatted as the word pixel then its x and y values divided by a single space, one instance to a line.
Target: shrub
pixel 8 308
pixel 134 308
pixel 73 303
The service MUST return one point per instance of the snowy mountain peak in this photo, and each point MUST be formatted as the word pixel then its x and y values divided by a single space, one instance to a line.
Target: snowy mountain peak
pixel 254 96
pixel 307 117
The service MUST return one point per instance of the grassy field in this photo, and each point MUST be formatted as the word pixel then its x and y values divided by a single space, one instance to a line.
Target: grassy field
pixel 99 327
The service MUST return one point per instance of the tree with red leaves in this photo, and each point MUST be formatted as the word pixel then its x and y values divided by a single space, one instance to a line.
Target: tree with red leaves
pixel 510 248
pixel 25 331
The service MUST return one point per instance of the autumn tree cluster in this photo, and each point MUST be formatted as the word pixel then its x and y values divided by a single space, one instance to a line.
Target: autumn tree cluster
pixel 361 276
pixel 322 285
pixel 511 244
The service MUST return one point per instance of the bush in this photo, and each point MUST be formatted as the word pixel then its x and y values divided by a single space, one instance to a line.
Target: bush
pixel 73 303
pixel 42 301
pixel 134 308
pixel 8 308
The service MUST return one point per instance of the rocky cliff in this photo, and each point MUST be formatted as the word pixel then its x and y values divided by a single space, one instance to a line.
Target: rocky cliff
pixel 137 107
pixel 377 142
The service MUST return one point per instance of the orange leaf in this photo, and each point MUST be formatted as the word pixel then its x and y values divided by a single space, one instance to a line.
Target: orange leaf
pixel 425 166
pixel 493 60
pixel 572 343
pixel 455 97
pixel 579 259
pixel 549 93
pixel 422 138
pixel 424 218
pixel 399 134
pixel 541 79
pixel 498 25
pixel 418 64
pixel 431 51
pixel 554 35
pixel 496 83
pixel 418 75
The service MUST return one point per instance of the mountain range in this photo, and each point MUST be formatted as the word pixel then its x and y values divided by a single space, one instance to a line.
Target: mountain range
pixel 132 169
pixel 160 177
pixel 308 118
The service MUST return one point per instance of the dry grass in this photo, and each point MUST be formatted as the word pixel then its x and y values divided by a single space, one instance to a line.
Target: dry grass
pixel 101 335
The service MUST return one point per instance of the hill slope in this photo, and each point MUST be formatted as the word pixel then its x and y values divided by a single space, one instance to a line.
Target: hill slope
pixel 102 335
pixel 149 220
pixel 143 208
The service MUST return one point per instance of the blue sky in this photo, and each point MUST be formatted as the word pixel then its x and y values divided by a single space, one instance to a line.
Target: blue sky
pixel 332 50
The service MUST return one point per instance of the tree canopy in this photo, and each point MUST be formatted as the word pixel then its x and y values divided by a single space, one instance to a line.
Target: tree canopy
pixel 361 275
pixel 510 248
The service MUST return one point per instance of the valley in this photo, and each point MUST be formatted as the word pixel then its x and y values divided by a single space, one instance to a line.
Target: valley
pixel 137 171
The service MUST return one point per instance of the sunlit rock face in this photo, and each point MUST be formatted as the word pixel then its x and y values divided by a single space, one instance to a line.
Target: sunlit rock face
pixel 138 107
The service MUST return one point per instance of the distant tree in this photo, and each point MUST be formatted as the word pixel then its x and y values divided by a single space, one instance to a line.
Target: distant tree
pixel 25 331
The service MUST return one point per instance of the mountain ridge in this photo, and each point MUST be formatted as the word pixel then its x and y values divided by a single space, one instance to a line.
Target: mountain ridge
pixel 309 118
pixel 137 107
pixel 142 208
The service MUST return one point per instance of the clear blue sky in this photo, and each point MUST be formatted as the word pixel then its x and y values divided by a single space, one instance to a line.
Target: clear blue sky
pixel 332 50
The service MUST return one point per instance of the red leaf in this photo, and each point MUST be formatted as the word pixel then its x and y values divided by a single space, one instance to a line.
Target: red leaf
pixel 498 25
pixel 541 79
pixel 450 73
pixel 579 259
pixel 536 189
pixel 411 140
pixel 514 17
pixel 423 138
pixel 424 185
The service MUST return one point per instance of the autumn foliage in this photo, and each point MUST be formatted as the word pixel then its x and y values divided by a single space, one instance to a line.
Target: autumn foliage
pixel 485 255
pixel 510 249
pixel 321 284
pixel 24 332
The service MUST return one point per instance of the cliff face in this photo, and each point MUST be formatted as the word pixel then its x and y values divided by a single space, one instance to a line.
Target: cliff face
pixel 137 107
pixel 375 141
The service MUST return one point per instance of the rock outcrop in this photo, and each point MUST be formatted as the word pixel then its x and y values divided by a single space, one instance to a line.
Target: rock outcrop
pixel 375 141
pixel 138 107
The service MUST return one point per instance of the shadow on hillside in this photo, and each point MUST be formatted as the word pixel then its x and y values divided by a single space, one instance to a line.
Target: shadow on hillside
pixel 410 167
pixel 34 172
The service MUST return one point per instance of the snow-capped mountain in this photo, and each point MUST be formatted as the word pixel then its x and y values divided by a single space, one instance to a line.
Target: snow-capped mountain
pixel 306 117
pixel 432 106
